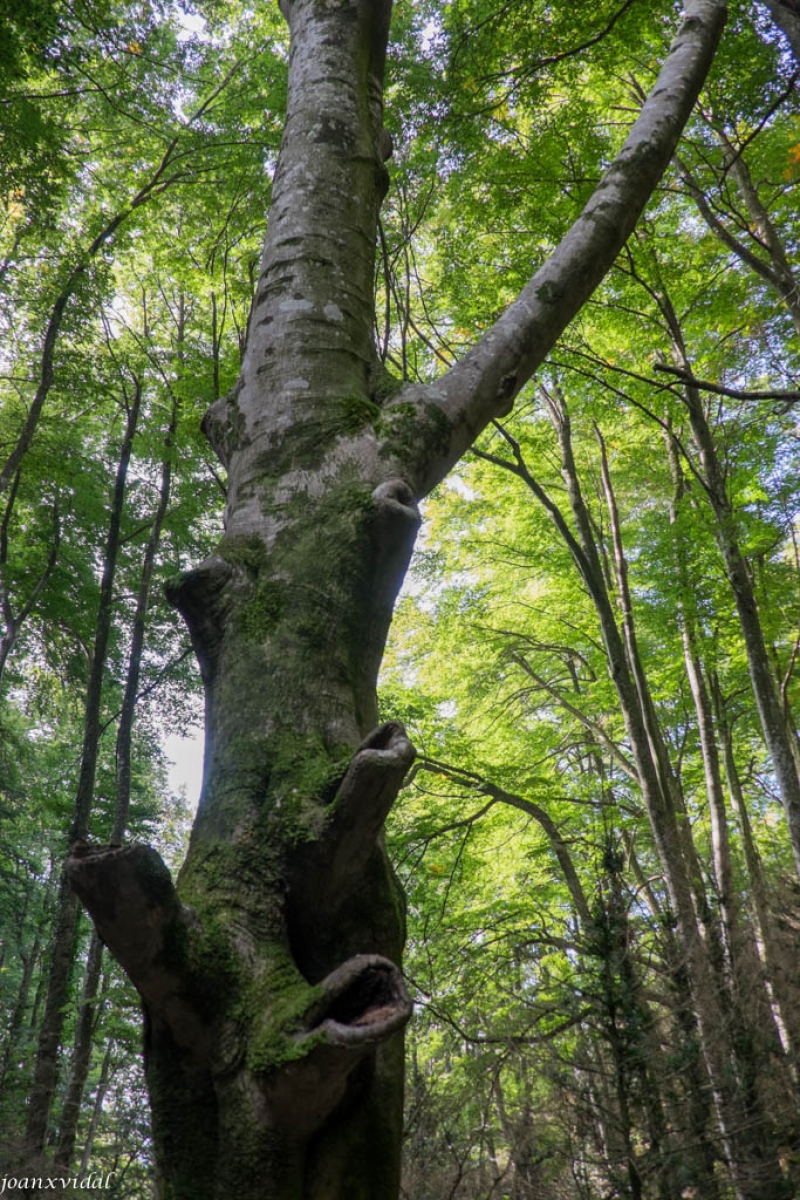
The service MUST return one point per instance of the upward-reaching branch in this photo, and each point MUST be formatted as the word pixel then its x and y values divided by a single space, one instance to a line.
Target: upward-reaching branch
pixel 482 386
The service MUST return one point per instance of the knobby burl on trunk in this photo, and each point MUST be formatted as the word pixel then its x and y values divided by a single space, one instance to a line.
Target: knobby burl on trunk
pixel 270 973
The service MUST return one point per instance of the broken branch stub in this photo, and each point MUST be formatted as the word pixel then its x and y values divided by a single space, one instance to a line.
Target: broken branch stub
pixel 363 1003
pixel 332 864
pixel 129 894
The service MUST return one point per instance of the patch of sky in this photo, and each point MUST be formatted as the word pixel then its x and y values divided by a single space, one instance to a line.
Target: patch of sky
pixel 185 757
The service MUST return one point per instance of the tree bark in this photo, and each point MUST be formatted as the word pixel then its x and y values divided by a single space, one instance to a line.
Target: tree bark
pixel 786 15
pixel 81 1056
pixel 763 921
pixel 131 693
pixel 754 1168
pixel 97 1110
pixel 30 960
pixel 751 1155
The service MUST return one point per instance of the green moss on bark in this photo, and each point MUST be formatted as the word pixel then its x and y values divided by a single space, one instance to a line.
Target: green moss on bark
pixel 276 1005
pixel 264 610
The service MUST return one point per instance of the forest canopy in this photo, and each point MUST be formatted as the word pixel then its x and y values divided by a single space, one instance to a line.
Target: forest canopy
pixel 595 652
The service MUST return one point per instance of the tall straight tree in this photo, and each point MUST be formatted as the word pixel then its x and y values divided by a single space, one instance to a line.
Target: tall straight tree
pixel 270 972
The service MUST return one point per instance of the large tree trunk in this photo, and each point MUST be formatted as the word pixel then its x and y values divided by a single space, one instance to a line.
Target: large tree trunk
pixel 267 1080
pixel 273 997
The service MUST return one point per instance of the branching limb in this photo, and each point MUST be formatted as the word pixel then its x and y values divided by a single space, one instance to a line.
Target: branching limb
pixel 703 385
pixel 473 780
pixel 131 899
pixel 483 385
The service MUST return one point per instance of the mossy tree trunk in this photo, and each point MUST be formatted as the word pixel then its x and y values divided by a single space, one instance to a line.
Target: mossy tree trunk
pixel 270 973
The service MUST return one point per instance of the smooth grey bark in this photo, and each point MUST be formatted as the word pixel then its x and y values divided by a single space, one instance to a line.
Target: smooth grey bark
pixel 269 975
pixel 81 1056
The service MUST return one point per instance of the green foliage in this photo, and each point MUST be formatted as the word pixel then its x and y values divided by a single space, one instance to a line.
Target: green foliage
pixel 551 1023
pixel 528 1012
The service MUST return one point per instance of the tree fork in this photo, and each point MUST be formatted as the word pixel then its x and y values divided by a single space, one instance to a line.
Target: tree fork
pixel 286 874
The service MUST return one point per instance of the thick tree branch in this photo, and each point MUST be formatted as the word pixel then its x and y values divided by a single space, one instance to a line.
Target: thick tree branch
pixel 482 386
pixel 131 899
pixel 333 863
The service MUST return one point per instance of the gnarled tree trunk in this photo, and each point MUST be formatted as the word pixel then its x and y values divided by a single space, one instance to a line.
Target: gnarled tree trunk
pixel 269 974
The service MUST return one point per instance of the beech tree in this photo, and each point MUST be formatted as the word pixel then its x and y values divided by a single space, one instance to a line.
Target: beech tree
pixel 270 971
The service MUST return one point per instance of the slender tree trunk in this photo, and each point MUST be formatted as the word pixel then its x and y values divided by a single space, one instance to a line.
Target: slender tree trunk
pixel 138 631
pixel 165 174
pixel 769 950
pixel 617 1002
pixel 81 1056
pixel 79 1068
pixel 48 1046
pixel 775 270
pixel 738 1102
pixel 30 960
pixel 763 1065
pixel 771 715
pixel 97 1110
pixel 66 921
pixel 700 1154
pixel 787 284
pixel 755 1169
